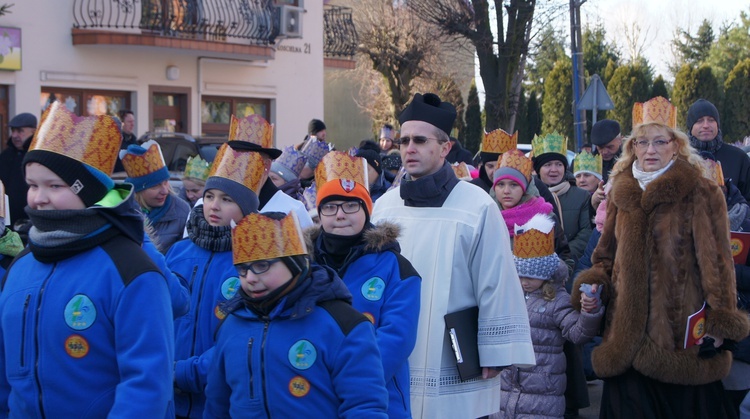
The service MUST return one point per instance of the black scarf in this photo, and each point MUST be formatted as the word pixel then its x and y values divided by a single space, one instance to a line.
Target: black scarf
pixel 56 235
pixel 267 191
pixel 206 236
pixel 711 146
pixel 431 190
pixel 338 247
pixel 262 306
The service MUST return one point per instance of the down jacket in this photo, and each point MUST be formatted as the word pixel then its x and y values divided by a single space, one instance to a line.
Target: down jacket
pixel 539 391
pixel 663 252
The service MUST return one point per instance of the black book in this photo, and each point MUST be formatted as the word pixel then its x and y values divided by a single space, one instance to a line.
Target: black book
pixel 462 328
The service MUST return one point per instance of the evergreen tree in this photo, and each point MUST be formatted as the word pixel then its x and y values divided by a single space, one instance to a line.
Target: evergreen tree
pixel 659 88
pixel 533 120
pixel 473 139
pixel 558 100
pixel 735 122
pixel 549 48
pixel 609 71
pixel 692 50
pixel 684 92
pixel 597 52
pixel 731 47
pixel 629 85
pixel 707 87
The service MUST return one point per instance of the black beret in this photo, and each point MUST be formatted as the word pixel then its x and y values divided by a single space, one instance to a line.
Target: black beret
pixel 429 108
pixel 604 131
pixel 23 120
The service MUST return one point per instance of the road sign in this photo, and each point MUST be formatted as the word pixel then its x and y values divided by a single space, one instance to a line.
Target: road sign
pixel 595 97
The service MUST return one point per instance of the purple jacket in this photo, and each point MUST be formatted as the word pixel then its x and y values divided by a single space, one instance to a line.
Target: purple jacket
pixel 538 391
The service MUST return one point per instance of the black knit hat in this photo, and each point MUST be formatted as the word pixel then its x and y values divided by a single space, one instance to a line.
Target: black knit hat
pixel 315 126
pixel 698 110
pixel 90 184
pixel 391 161
pixel 545 158
pixel 373 159
pixel 429 108
pixel 604 131
pixel 489 156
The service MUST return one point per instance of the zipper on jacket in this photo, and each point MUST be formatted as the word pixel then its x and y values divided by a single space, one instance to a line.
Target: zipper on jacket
pixel 400 392
pixel 263 367
pixel 23 328
pixel 250 366
pixel 192 277
pixel 198 302
pixel 36 340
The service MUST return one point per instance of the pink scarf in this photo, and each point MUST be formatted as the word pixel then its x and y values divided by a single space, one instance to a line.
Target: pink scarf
pixel 520 214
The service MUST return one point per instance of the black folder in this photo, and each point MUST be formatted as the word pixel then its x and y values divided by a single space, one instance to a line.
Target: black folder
pixel 462 328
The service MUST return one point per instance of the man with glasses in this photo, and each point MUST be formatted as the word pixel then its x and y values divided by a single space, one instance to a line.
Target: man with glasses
pixel 453 234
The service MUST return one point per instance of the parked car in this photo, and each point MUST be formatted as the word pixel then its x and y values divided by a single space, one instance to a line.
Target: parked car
pixel 177 148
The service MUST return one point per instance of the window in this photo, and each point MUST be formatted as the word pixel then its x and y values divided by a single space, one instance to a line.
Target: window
pixel 216 112
pixel 86 102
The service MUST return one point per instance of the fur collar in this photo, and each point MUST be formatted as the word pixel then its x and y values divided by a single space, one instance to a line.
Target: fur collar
pixel 672 186
pixel 380 237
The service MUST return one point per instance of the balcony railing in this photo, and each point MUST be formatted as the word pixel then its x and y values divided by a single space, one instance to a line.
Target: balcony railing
pixel 340 34
pixel 216 20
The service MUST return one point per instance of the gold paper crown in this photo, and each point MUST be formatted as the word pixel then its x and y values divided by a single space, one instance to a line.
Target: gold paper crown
pixel 657 110
pixel 587 162
pixel 499 141
pixel 144 164
pixel 461 170
pixel 253 129
pixel 550 143
pixel 715 170
pixel 535 241
pixel 243 167
pixel 515 159
pixel 257 237
pixel 197 168
pixel 92 140
pixel 340 165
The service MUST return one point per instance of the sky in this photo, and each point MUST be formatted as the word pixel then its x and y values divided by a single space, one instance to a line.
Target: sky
pixel 658 20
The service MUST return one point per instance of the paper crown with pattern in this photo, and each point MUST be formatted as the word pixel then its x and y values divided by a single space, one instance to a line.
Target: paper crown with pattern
pixel 534 248
pixel 339 165
pixel 252 129
pixel 138 165
pixel 257 237
pixel 657 110
pixel 243 167
pixel 292 160
pixel 550 143
pixel 310 197
pixel 314 151
pixel 499 141
pixel 461 170
pixel 587 162
pixel 715 170
pixel 197 168
pixel 92 140
pixel 515 159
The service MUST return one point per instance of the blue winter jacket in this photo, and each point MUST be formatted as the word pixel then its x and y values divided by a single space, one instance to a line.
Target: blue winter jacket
pixel 313 356
pixel 212 280
pixel 88 335
pixel 385 287
pixel 178 292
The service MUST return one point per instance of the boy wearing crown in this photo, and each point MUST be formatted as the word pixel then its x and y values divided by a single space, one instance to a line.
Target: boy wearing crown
pixel 204 260
pixel 384 285
pixel 291 344
pixel 454 236
pixel 85 315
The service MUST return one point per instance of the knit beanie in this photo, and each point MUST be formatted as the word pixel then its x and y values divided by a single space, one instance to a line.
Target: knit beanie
pixel 243 196
pixel 545 158
pixel 373 159
pixel 698 110
pixel 80 150
pixel 514 165
pixel 391 161
pixel 315 126
pixel 144 165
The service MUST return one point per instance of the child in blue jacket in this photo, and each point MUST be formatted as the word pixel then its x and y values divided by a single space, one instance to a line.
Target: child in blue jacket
pixel 85 316
pixel 291 344
pixel 384 285
pixel 204 261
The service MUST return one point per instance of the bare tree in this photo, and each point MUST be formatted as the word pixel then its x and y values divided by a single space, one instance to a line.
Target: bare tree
pixel 501 60
pixel 398 46
pixel 636 38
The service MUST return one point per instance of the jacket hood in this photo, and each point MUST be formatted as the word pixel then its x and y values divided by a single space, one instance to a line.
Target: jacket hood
pixel 126 215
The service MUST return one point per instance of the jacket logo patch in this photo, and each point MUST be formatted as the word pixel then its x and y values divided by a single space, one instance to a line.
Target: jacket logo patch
pixel 373 289
pixel 229 287
pixel 76 346
pixel 302 354
pixel 299 386
pixel 219 312
pixel 347 185
pixel 80 312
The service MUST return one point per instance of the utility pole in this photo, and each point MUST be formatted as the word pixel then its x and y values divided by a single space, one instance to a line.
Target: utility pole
pixel 576 49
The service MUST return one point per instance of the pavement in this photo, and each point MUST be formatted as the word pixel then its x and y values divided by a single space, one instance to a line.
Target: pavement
pixel 595 397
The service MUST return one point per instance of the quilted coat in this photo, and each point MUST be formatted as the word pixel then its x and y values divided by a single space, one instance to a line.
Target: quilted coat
pixel 663 252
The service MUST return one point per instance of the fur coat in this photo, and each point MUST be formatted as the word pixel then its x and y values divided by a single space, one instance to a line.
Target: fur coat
pixel 663 252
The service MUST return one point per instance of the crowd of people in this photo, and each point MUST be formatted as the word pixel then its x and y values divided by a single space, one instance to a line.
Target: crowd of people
pixel 316 282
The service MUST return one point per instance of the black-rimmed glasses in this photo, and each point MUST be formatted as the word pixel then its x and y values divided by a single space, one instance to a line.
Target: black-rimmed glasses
pixel 257 267
pixel 349 207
